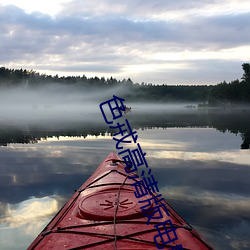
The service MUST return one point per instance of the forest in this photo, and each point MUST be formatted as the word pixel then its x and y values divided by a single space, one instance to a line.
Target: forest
pixel 224 93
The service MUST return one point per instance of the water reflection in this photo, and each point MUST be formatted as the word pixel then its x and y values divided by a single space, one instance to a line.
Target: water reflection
pixel 201 172
pixel 20 222
pixel 29 210
pixel 234 121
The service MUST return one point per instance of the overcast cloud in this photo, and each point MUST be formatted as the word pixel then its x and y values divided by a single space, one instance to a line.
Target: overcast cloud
pixel 171 42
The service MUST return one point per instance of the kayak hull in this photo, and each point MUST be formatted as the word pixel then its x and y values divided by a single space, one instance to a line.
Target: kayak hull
pixel 105 213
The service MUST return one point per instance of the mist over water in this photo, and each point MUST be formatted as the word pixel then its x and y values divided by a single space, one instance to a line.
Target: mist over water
pixel 194 153
pixel 61 102
pixel 54 102
pixel 58 109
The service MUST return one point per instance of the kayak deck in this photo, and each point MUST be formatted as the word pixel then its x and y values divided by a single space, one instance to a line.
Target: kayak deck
pixel 105 213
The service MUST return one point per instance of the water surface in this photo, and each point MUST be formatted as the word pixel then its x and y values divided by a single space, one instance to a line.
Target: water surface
pixel 195 155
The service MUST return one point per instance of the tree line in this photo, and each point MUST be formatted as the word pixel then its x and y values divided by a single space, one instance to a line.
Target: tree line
pixel 236 91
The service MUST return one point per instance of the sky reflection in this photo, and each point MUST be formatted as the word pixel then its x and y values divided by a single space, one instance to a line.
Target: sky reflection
pixel 25 219
pixel 200 171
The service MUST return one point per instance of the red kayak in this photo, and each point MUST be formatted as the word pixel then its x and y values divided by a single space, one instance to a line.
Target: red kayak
pixel 106 212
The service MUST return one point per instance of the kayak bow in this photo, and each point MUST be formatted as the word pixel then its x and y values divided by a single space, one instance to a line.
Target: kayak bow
pixel 105 213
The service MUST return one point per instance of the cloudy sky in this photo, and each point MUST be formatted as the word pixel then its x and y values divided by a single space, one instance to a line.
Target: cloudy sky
pixel 157 41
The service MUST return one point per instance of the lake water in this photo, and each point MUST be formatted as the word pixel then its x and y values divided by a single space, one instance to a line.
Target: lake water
pixel 195 155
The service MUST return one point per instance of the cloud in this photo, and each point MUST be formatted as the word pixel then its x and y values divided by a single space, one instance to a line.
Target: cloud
pixel 150 9
pixel 122 30
pixel 125 40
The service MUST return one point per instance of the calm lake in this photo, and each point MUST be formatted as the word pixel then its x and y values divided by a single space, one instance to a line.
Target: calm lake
pixel 200 157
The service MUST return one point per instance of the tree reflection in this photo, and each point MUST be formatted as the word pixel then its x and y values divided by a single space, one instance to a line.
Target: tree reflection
pixel 231 121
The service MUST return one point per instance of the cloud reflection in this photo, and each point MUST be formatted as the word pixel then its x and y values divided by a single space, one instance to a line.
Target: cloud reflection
pixel 198 170
pixel 193 144
pixel 213 209
pixel 228 203
pixel 235 156
pixel 22 222
pixel 29 212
